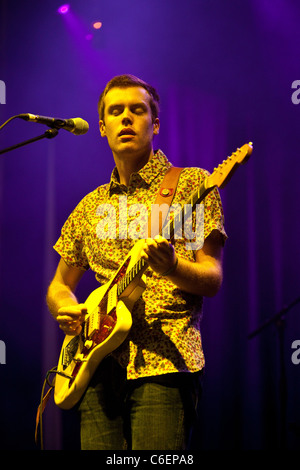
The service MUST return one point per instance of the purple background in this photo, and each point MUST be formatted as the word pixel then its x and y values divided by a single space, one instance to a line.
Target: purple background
pixel 224 70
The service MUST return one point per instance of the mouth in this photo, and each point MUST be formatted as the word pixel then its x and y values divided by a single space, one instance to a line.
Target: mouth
pixel 126 132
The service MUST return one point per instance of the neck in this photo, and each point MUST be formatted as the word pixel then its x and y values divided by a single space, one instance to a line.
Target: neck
pixel 128 164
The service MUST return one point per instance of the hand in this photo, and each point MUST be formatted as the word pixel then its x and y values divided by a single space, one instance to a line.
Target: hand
pixel 70 318
pixel 159 254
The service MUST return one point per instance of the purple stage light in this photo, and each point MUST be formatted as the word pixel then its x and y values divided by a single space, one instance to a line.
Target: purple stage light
pixel 97 25
pixel 63 9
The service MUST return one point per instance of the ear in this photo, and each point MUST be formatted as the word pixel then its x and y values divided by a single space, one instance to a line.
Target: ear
pixel 156 126
pixel 102 128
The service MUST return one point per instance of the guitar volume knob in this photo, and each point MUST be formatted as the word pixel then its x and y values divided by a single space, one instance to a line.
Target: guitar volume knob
pixel 88 344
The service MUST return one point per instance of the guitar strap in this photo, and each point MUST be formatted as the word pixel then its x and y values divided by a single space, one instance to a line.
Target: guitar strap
pixel 164 196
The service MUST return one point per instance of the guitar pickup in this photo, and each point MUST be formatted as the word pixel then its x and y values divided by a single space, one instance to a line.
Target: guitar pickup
pixel 112 299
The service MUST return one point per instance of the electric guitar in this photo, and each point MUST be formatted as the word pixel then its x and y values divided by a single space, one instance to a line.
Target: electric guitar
pixel 108 319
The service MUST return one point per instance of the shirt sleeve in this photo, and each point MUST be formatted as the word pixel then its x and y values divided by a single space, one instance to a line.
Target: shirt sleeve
pixel 214 214
pixel 70 245
pixel 208 214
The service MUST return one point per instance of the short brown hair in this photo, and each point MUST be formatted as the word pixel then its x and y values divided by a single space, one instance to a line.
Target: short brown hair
pixel 126 81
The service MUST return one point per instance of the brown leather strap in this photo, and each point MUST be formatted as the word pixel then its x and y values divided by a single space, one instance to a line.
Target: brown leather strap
pixel 165 195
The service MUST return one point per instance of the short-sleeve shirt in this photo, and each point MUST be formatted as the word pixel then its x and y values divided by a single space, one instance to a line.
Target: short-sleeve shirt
pixel 165 334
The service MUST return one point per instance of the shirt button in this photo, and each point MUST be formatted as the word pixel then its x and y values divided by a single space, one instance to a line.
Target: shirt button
pixel 165 192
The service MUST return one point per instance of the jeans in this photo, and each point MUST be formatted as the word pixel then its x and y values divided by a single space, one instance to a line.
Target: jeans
pixel 142 414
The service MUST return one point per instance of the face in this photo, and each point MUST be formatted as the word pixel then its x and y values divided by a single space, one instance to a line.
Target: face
pixel 128 123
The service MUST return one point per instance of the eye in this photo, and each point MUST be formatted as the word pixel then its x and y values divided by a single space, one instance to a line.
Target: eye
pixel 138 109
pixel 115 110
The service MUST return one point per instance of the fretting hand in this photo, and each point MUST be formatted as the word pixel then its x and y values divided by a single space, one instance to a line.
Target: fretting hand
pixel 159 254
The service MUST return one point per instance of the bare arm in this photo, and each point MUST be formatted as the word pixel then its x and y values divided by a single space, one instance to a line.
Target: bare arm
pixel 62 301
pixel 202 277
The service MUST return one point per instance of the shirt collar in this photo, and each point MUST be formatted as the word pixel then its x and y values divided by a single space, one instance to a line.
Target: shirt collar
pixel 148 173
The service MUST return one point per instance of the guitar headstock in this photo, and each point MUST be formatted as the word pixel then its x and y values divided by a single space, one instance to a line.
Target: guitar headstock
pixel 222 174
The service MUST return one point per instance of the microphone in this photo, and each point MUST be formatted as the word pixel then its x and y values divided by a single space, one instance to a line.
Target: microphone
pixel 76 125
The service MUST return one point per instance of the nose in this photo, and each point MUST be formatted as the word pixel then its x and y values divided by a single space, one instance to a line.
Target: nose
pixel 127 117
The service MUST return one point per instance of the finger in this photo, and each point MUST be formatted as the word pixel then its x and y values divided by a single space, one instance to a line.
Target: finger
pixel 161 251
pixel 68 318
pixel 150 242
pixel 69 322
pixel 149 248
pixel 73 310
pixel 71 331
pixel 160 239
pixel 163 243
pixel 144 255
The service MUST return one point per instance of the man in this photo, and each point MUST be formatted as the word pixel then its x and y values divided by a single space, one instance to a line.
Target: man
pixel 142 396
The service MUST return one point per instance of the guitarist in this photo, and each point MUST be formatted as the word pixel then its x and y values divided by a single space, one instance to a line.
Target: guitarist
pixel 143 395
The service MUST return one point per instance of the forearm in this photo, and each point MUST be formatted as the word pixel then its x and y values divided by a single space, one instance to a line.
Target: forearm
pixel 204 278
pixel 59 295
pixel 200 277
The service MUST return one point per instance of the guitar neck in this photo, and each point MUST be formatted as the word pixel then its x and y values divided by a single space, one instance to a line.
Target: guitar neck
pixel 137 270
pixel 169 229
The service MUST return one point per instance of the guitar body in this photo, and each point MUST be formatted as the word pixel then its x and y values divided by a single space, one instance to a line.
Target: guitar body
pixel 107 324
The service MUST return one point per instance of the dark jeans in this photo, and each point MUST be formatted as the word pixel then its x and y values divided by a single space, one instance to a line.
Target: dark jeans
pixel 143 414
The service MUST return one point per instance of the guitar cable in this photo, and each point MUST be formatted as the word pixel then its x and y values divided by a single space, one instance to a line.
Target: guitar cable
pixel 43 401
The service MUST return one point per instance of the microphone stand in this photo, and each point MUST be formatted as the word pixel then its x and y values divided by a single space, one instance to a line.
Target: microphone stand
pixel 49 134
pixel 279 320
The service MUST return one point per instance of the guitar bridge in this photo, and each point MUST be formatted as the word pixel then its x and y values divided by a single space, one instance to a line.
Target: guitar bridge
pixel 69 352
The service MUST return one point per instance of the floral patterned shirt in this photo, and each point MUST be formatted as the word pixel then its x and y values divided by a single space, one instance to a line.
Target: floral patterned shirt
pixel 165 334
